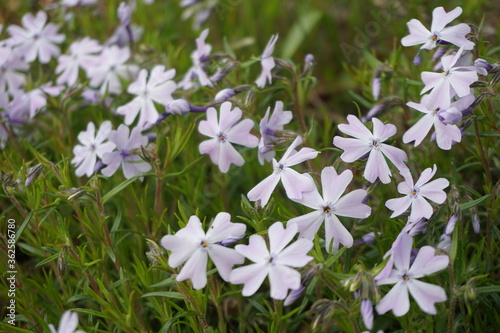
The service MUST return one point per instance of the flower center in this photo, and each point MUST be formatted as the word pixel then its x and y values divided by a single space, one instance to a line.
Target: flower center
pixel 125 153
pixel 204 243
pixel 375 142
pixel 221 137
pixel 326 209
pixel 414 192
pixel 92 147
pixel 434 37
pixel 436 110
pixel 406 277
pixel 271 259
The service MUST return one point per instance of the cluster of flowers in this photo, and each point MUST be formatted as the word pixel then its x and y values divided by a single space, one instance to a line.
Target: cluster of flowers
pixel 105 65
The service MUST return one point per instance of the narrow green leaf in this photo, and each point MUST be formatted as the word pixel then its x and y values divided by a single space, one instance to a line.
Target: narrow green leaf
pixel 473 203
pixel 167 294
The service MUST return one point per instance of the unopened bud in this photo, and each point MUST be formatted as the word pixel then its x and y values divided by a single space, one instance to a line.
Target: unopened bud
pixel 450 116
pixel 124 14
pixel 33 174
pixel 178 106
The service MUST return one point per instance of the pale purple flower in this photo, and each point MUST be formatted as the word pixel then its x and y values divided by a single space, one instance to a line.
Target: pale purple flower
pixel 193 246
pixel 277 262
pixel 376 86
pixel 405 278
pixel 68 324
pixel 367 313
pixel 439 32
pixel 125 156
pixel 267 62
pixel 74 3
pixel 268 128
pixel 416 195
pixel 454 80
pixel 197 71
pixel 83 54
pixel 443 120
pixel 295 184
pixel 10 63
pixel 27 104
pixel 111 68
pixel 92 146
pixel 37 39
pixel 157 88
pixel 366 142
pixel 328 207
pixel 223 132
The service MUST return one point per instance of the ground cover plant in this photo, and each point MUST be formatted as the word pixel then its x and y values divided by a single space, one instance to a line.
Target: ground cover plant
pixel 248 166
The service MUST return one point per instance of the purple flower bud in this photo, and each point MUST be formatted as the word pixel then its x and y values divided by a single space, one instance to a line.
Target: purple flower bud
pixel 294 295
pixel 445 243
pixel 450 116
pixel 481 63
pixel 450 226
pixel 417 60
pixel 417 228
pixel 178 106
pixel 440 52
pixel 376 85
pixel 367 313
pixel 224 94
pixel 33 173
pixel 475 222
pixel 124 14
pixel 309 62
pixel 230 241
pixel 98 166
pixel 367 239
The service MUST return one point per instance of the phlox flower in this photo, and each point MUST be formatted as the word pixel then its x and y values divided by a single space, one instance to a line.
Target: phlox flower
pixel 267 62
pixel 68 324
pixel 406 280
pixel 124 156
pixel 199 57
pixel 415 195
pixel 223 132
pixel 366 142
pixel 10 63
pixel 439 33
pixel 83 54
pixel 37 38
pixel 268 128
pixel 443 120
pixel 92 146
pixel 295 184
pixel 74 3
pixel 193 246
pixel 157 88
pixel 329 206
pixel 454 80
pixel 277 262
pixel 26 104
pixel 111 68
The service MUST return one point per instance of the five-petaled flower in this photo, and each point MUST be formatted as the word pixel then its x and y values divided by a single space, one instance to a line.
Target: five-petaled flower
pixel 366 142
pixel 454 80
pixel 158 88
pixel 406 279
pixel 37 39
pixel 295 183
pixel 92 146
pixel 329 206
pixel 439 33
pixel 193 246
pixel 125 154
pixel 223 132
pixel 415 195
pixel 277 262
